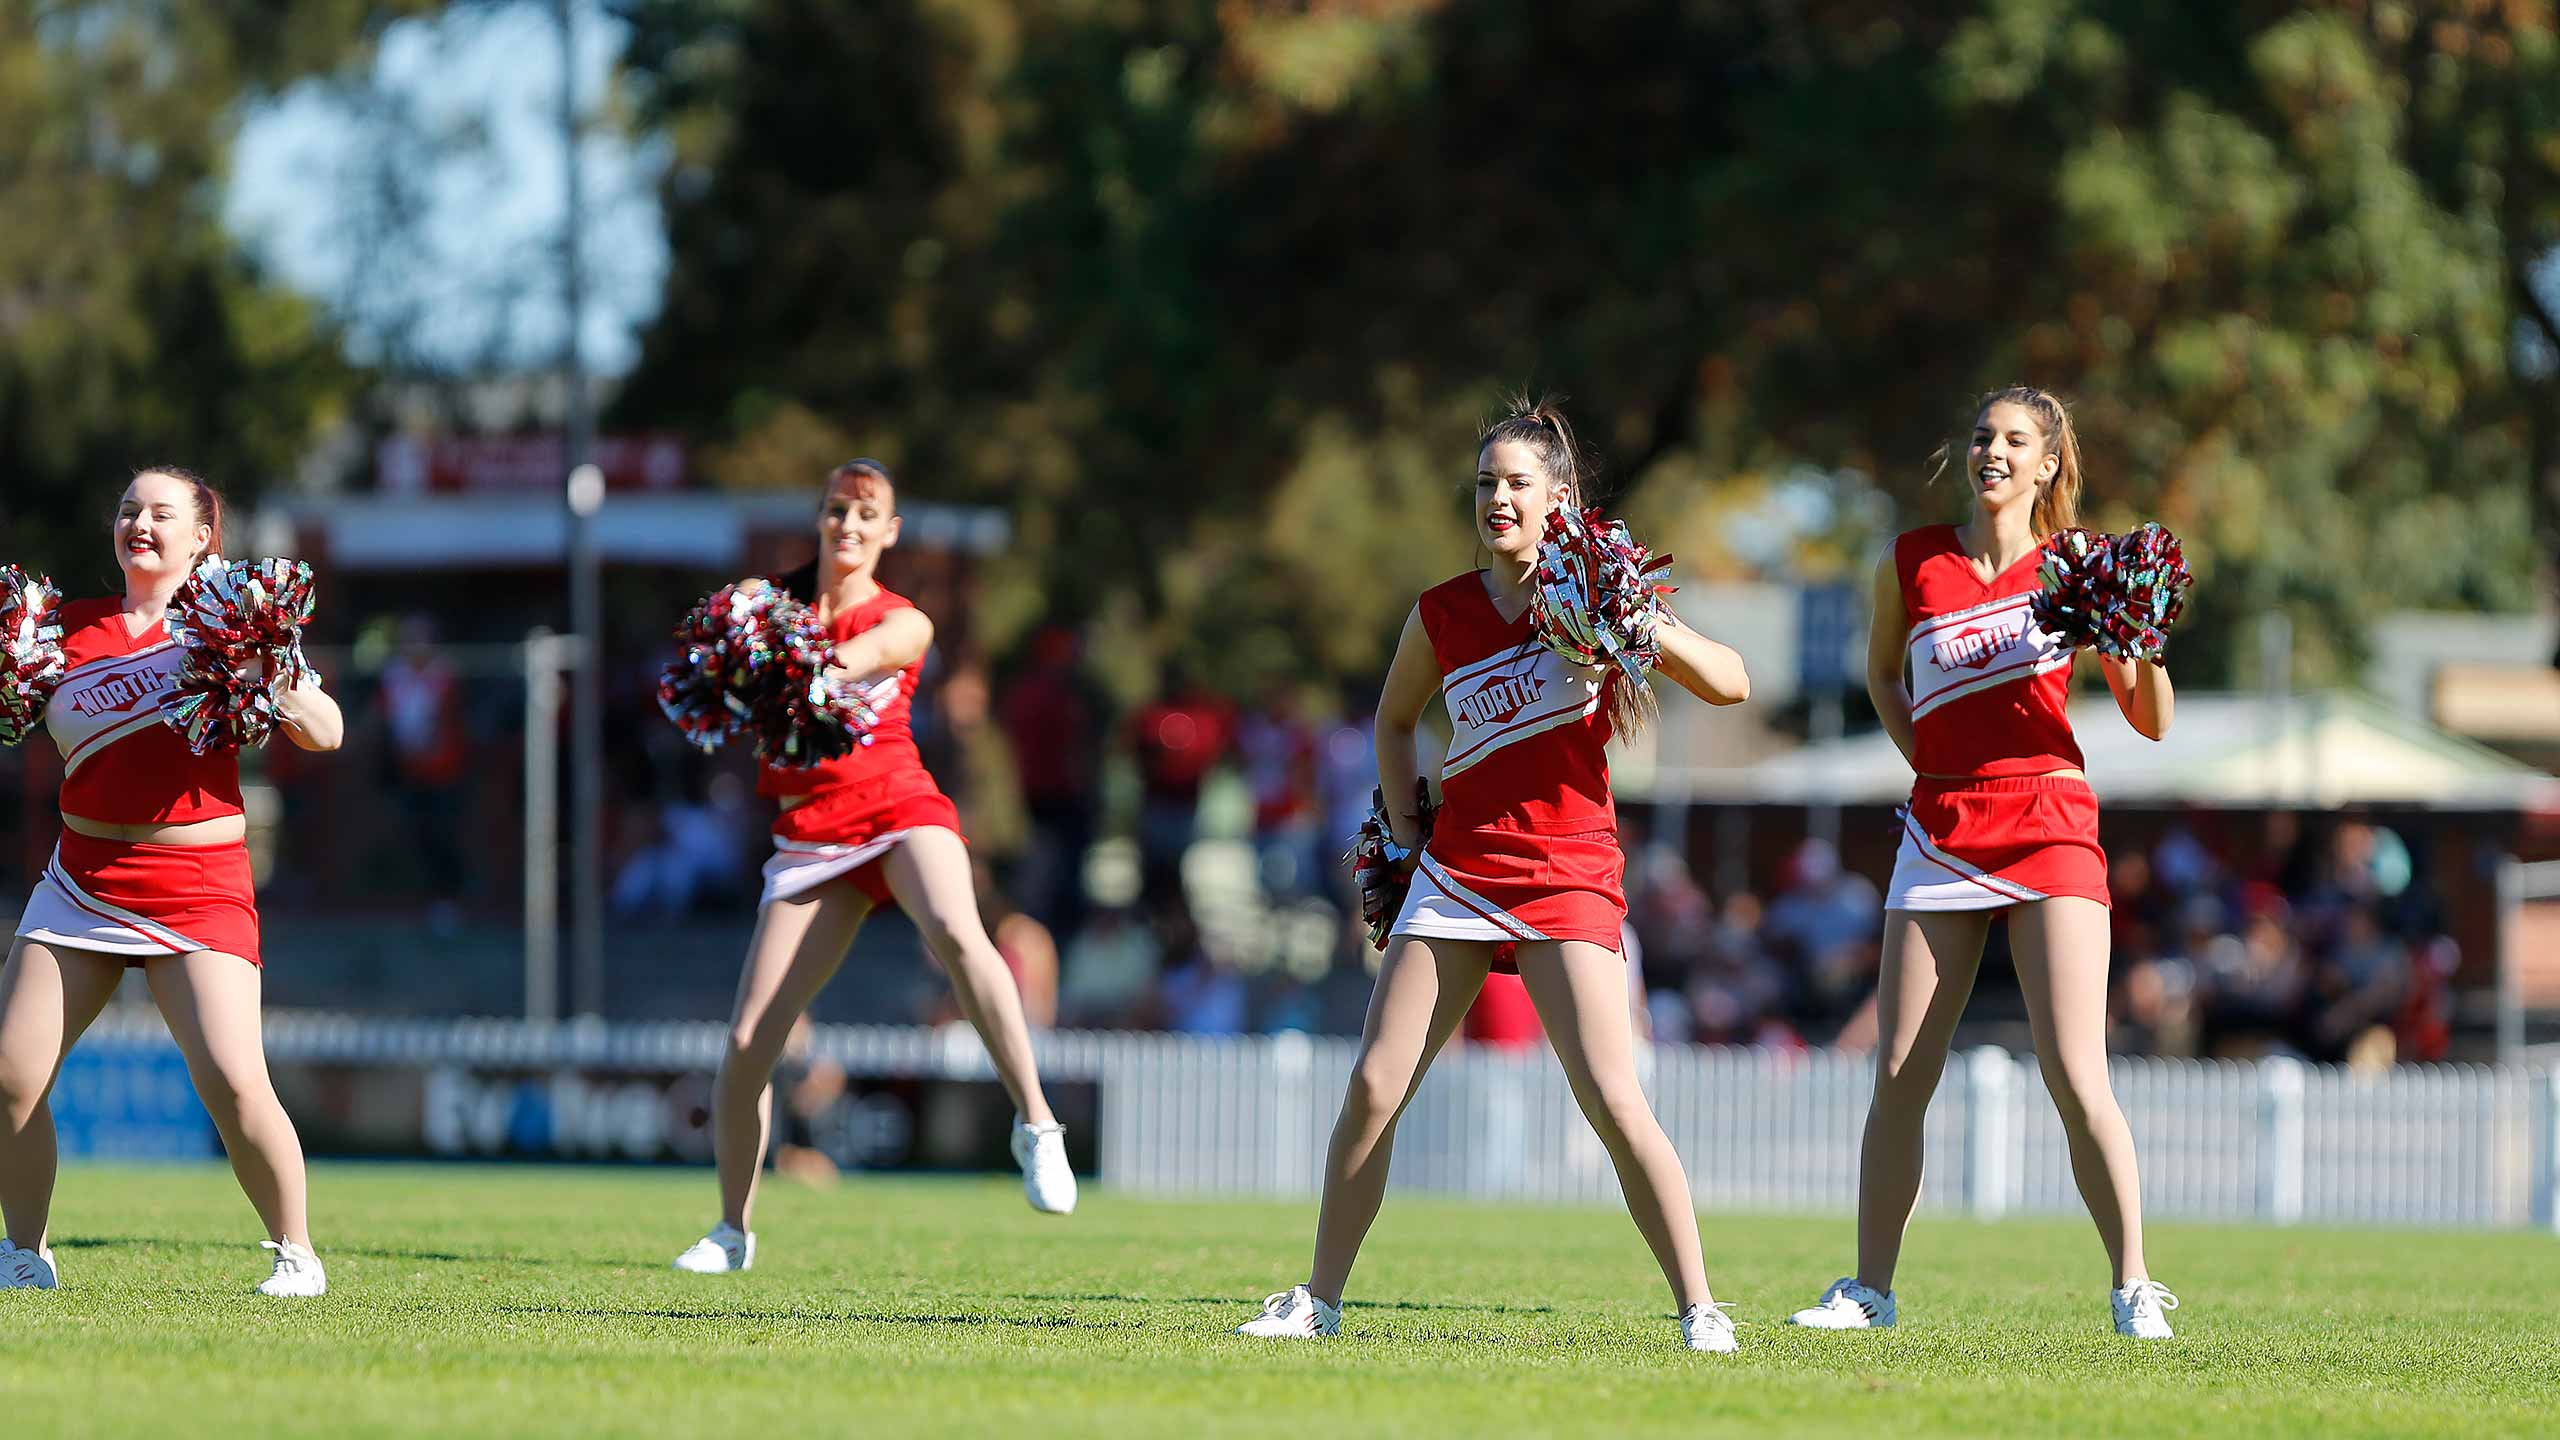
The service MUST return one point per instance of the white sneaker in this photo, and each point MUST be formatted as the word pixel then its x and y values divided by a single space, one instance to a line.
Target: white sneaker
pixel 2142 1310
pixel 297 1276
pixel 727 1248
pixel 1047 1180
pixel 1706 1327
pixel 26 1269
pixel 1293 1314
pixel 1848 1305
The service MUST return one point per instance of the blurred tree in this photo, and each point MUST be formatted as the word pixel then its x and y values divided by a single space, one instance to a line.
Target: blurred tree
pixel 2485 86
pixel 132 331
pixel 1210 292
pixel 418 195
pixel 2276 268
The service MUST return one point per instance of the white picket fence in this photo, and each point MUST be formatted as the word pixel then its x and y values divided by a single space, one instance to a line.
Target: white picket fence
pixel 2275 1141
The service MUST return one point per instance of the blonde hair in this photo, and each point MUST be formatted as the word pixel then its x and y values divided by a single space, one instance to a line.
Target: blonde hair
pixel 2057 500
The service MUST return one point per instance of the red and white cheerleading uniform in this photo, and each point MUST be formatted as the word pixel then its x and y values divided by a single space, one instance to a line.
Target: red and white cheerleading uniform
pixel 1525 846
pixel 862 805
pixel 123 765
pixel 1990 691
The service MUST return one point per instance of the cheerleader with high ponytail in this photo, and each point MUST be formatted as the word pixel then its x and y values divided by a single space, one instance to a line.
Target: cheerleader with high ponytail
pixel 1520 864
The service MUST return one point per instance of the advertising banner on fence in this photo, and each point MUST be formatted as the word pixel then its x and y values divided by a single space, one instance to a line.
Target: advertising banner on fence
pixel 122 1098
pixel 858 1122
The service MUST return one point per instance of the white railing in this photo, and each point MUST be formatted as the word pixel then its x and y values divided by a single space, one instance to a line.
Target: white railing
pixel 2275 1140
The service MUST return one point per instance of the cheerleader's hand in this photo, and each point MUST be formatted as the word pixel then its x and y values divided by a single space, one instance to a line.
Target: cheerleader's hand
pixel 1411 829
pixel 1650 622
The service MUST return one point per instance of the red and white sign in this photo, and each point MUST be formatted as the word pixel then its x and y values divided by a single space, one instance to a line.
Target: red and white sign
pixel 416 464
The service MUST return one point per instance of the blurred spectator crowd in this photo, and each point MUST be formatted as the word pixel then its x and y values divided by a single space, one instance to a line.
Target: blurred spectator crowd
pixel 2329 949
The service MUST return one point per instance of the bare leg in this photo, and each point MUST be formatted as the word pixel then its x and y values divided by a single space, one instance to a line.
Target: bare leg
pixel 1580 990
pixel 211 1003
pixel 1927 973
pixel 797 947
pixel 1422 994
pixel 2061 948
pixel 929 873
pixel 48 995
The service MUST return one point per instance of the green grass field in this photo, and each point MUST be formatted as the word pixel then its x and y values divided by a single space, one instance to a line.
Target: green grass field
pixel 537 1301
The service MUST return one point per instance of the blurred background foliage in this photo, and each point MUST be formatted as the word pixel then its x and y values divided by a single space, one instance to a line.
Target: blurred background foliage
pixel 133 328
pixel 1211 295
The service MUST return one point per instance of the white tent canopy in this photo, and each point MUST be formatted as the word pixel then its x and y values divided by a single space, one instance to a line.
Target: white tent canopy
pixel 2323 750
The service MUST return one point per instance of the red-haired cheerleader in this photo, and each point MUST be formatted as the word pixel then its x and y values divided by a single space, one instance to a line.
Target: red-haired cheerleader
pixel 152 870
pixel 1523 853
pixel 866 830
pixel 1973 687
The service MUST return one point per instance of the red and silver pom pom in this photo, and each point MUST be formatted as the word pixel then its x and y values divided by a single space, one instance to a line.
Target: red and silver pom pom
pixel 754 662
pixel 2115 594
pixel 802 718
pixel 30 651
pixel 229 616
pixel 1598 598
pixel 717 638
pixel 1382 868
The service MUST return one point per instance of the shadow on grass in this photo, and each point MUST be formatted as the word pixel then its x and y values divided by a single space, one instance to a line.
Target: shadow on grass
pixel 1453 1306
pixel 838 1317
pixel 177 1242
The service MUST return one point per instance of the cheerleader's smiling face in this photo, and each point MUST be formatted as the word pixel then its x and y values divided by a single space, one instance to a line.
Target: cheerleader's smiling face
pixel 157 530
pixel 857 520
pixel 2010 456
pixel 1514 492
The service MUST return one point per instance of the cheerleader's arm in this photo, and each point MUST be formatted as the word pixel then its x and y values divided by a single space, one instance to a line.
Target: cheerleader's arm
pixel 1888 639
pixel 1709 669
pixel 895 643
pixel 311 717
pixel 2143 693
pixel 1412 677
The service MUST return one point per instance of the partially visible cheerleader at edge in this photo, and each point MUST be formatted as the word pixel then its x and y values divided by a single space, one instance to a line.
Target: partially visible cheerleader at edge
pixel 1524 853
pixel 152 870
pixel 867 830
pixel 2001 818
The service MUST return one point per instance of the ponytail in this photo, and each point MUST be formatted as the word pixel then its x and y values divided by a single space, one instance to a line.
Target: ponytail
pixel 1541 426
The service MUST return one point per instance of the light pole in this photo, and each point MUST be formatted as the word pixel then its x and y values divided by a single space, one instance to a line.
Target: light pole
pixel 584 493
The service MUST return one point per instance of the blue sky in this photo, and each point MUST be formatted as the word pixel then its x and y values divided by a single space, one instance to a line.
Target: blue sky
pixel 463 129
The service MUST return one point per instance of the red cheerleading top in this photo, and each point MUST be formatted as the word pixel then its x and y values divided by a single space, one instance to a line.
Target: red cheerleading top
pixel 121 763
pixel 1990 688
pixel 1546 717
pixel 886 760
